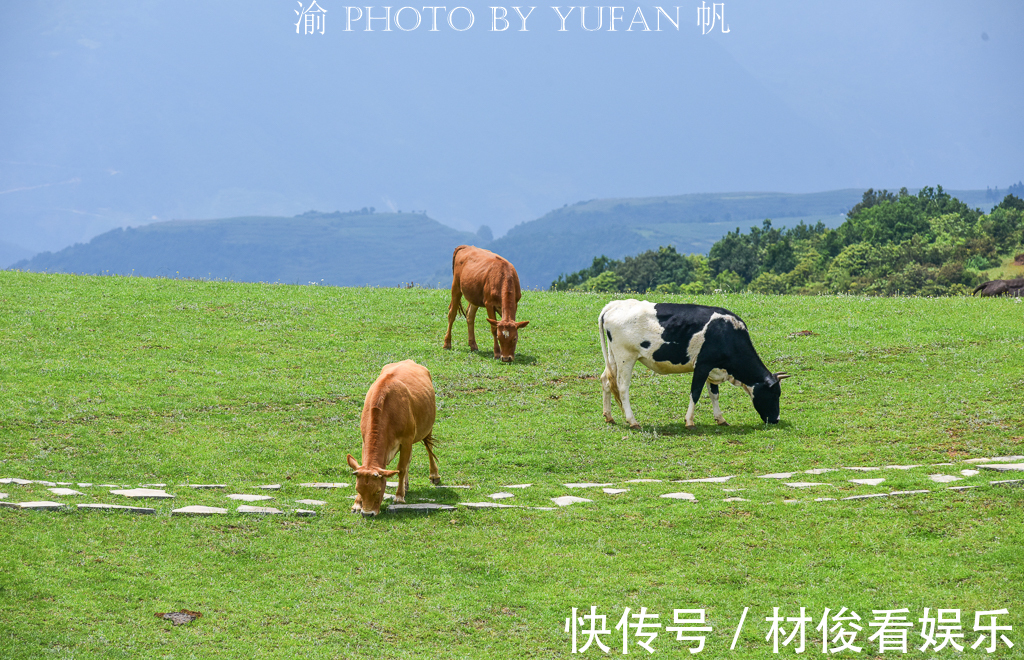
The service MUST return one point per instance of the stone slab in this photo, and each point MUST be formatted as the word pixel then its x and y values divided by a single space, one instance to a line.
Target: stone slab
pixel 152 485
pixel 109 486
pixel 566 500
pixel 325 484
pixel 64 483
pixel 587 484
pixel 3 496
pixel 392 484
pixel 777 475
pixel 644 481
pixel 732 490
pixel 64 491
pixel 420 506
pixel 263 510
pixel 305 512
pixel 245 497
pixel 937 464
pixel 518 486
pixel 488 505
pixel 863 497
pixel 1008 482
pixel 84 485
pixel 824 499
pixel 1004 467
pixel 142 493
pixel 943 478
pixel 39 506
pixel 196 510
pixel 901 467
pixel 447 486
pixel 48 484
pixel 705 480
pixel 680 496
pixel 271 487
pixel 862 469
pixel 909 492
pixel 500 496
pixel 14 480
pixel 804 484
pixel 819 470
pixel 311 502
pixel 207 485
pixel 969 473
pixel 544 508
pixel 117 507
pixel 961 487
pixel 735 499
pixel 866 482
pixel 614 491
pixel 1004 459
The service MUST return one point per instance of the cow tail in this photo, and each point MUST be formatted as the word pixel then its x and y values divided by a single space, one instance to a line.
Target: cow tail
pixel 609 359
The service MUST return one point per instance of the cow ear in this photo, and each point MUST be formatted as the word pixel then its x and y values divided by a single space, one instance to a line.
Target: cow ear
pixel 782 375
pixel 521 324
pixel 388 473
pixel 492 322
pixel 352 463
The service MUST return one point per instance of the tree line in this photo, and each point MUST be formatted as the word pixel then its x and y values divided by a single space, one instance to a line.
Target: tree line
pixel 928 243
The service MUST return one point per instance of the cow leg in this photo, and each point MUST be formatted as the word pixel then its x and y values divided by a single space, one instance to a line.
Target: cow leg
pixel 606 396
pixel 470 319
pixel 453 311
pixel 699 377
pixel 713 393
pixel 623 376
pixel 403 472
pixel 435 476
pixel 494 331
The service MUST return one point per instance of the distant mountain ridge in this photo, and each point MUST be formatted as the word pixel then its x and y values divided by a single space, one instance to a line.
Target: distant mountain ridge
pixel 360 248
pixel 340 249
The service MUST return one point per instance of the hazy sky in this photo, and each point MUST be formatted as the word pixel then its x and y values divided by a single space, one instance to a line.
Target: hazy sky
pixel 121 112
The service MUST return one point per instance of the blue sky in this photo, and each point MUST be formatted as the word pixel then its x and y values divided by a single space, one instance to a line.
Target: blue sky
pixel 123 112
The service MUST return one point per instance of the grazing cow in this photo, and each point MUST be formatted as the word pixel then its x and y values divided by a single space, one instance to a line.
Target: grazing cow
pixel 670 338
pixel 398 412
pixel 1012 288
pixel 491 282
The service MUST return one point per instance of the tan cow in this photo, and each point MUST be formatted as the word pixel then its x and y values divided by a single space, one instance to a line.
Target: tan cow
pixel 491 282
pixel 398 412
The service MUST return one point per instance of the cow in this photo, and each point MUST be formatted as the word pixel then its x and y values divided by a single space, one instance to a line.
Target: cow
pixel 398 412
pixel 1011 288
pixel 668 338
pixel 491 282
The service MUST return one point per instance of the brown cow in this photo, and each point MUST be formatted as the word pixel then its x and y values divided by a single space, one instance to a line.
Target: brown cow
pixel 398 412
pixel 491 282
pixel 1012 288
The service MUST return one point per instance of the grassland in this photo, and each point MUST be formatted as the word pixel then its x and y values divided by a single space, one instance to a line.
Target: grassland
pixel 130 381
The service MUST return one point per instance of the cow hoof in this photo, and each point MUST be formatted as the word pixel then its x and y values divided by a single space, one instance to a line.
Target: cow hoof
pixel 473 347
pixel 634 426
pixel 608 418
pixel 691 426
pixel 447 346
pixel 722 422
pixel 399 499
pixel 436 482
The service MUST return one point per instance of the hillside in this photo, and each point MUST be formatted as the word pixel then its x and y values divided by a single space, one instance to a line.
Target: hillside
pixel 341 249
pixel 389 249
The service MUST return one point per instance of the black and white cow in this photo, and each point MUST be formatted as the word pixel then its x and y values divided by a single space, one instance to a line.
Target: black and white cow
pixel 670 338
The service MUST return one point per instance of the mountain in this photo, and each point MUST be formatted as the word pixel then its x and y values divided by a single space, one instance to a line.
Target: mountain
pixel 388 249
pixel 342 249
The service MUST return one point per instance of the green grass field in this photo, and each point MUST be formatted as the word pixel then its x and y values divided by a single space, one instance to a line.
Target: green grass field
pixel 132 381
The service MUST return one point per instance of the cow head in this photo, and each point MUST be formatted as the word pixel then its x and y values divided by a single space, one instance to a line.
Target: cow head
pixel 370 483
pixel 766 397
pixel 507 333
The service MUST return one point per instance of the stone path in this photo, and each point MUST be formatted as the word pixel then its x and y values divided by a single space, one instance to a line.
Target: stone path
pixel 937 473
